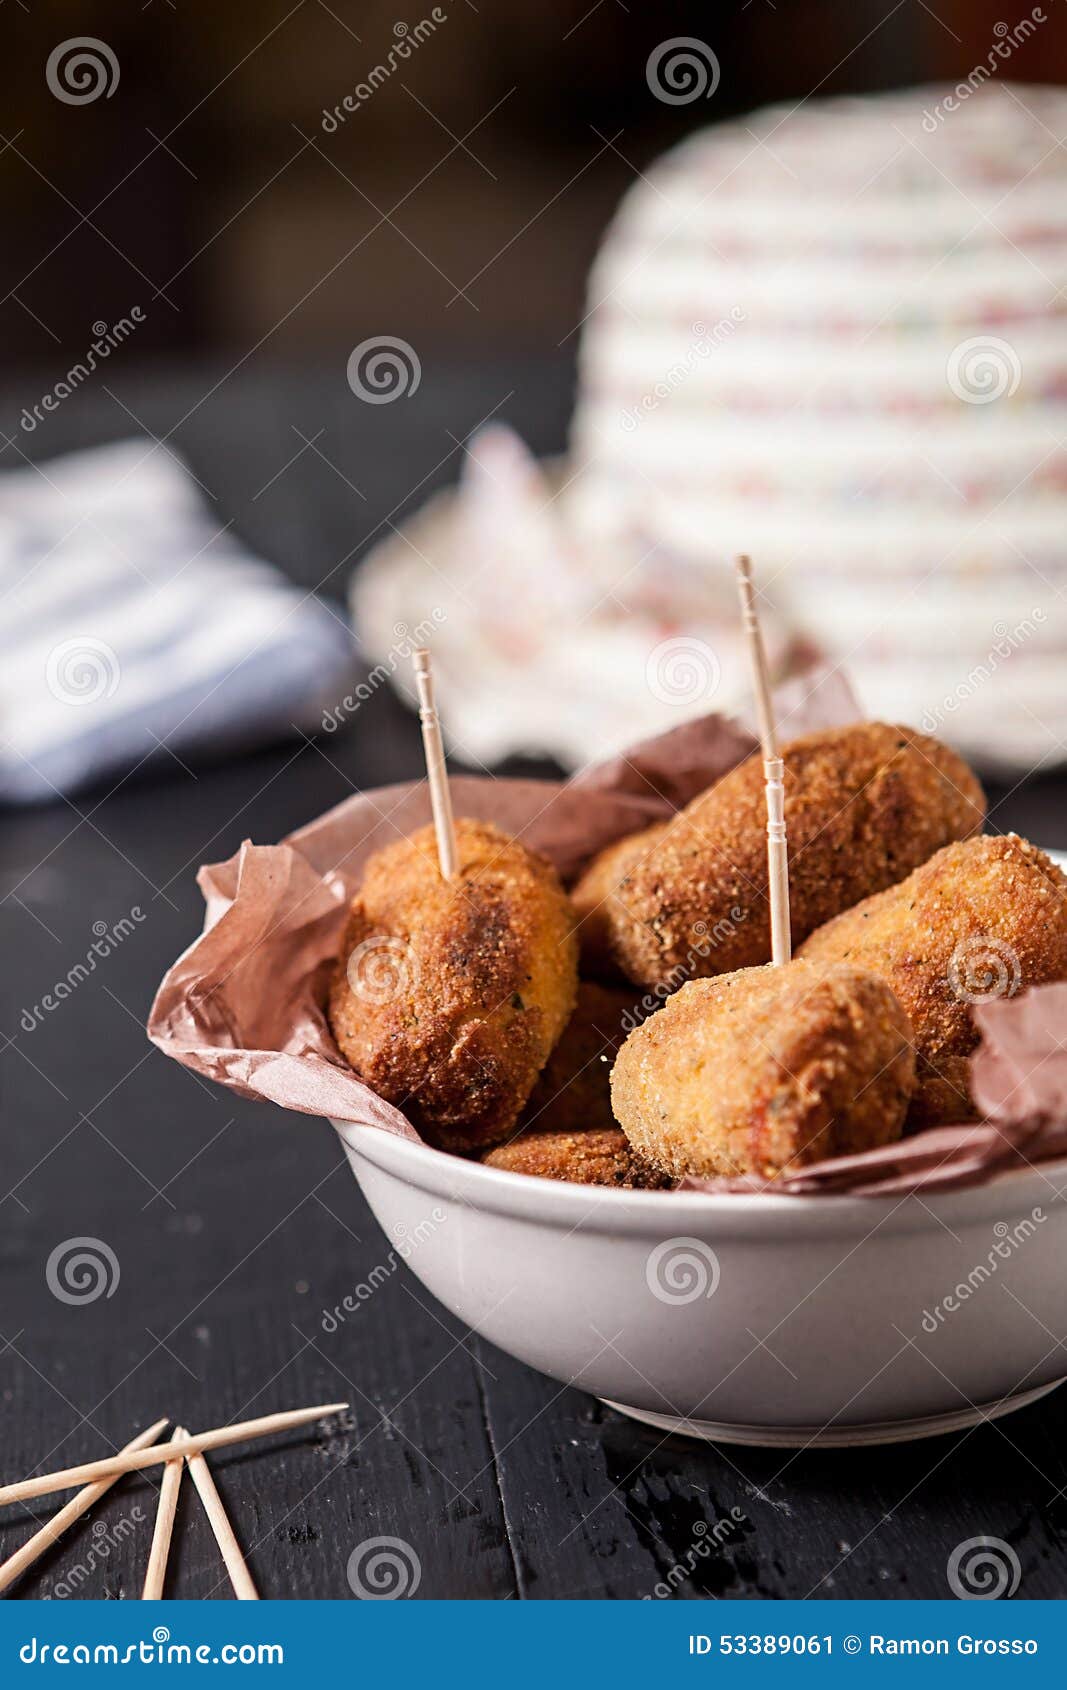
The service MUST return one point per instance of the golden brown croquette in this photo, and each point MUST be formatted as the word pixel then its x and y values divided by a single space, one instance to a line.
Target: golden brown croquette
pixel 601 1156
pixel 864 806
pixel 765 1070
pixel 595 898
pixel 449 996
pixel 982 919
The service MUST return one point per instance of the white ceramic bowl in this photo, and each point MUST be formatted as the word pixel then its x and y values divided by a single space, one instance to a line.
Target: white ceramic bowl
pixel 762 1319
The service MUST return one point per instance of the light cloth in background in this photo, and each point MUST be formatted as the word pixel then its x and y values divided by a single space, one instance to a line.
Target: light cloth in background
pixel 834 335
pixel 133 621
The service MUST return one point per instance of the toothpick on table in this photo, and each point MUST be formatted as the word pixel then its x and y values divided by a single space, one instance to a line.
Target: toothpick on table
pixel 773 771
pixel 35 1546
pixel 240 1577
pixel 168 1502
pixel 131 1460
pixel 440 796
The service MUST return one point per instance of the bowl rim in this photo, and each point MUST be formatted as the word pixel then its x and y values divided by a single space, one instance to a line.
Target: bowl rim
pixel 569 1206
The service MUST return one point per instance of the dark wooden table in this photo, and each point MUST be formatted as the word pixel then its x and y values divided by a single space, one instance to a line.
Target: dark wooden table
pixel 235 1226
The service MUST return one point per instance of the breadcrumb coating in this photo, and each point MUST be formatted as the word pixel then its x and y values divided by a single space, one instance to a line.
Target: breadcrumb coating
pixel 601 1156
pixel 449 996
pixel 766 1070
pixel 982 919
pixel 864 806
pixel 598 900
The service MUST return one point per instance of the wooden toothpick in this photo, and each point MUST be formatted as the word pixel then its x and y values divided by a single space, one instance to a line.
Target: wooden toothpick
pixel 165 1510
pixel 130 1460
pixel 54 1528
pixel 240 1577
pixel 440 796
pixel 773 771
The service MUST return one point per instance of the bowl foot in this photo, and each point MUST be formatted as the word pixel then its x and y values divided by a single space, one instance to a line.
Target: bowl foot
pixel 831 1436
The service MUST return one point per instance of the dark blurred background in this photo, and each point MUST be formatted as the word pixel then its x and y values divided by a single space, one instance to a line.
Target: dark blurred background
pixel 459 207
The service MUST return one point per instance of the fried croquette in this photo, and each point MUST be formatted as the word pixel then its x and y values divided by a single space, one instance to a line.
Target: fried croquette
pixel 602 1156
pixel 982 919
pixel 766 1070
pixel 594 898
pixel 573 1090
pixel 864 806
pixel 449 996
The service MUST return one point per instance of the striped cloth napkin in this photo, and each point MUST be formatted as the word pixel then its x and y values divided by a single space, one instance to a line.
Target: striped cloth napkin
pixel 135 624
